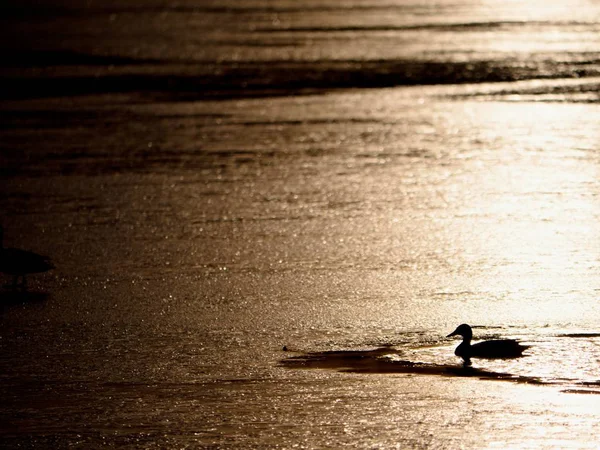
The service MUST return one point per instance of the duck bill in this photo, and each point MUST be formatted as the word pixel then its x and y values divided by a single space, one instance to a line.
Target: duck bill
pixel 454 333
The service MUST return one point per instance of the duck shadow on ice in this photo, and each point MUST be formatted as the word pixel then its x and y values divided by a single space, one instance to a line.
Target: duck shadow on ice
pixel 388 360
pixel 18 263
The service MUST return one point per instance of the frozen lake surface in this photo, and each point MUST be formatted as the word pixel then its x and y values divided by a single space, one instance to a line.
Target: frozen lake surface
pixel 216 181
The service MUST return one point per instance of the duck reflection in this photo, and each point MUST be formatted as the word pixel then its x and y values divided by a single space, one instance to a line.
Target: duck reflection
pixel 19 263
pixel 14 298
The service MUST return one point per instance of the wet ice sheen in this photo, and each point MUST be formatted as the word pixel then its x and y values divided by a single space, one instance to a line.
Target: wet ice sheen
pixel 194 239
pixel 172 332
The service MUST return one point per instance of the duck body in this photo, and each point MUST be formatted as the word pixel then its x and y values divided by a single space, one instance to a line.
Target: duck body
pixel 19 263
pixel 492 349
pixel 497 348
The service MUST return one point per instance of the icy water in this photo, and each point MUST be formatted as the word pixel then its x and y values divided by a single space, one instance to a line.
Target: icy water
pixel 265 218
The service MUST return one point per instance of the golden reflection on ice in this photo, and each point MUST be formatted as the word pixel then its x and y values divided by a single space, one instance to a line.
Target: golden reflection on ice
pixel 529 217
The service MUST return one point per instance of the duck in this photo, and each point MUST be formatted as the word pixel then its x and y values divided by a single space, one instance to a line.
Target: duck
pixel 19 263
pixel 492 349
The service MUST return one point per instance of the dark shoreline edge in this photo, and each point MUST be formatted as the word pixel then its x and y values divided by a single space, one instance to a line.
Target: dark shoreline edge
pixel 65 74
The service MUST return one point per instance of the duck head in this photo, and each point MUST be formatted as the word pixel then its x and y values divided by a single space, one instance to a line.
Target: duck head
pixel 463 330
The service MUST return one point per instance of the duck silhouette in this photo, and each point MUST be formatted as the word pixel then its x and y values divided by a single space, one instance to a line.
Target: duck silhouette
pixel 493 349
pixel 19 263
